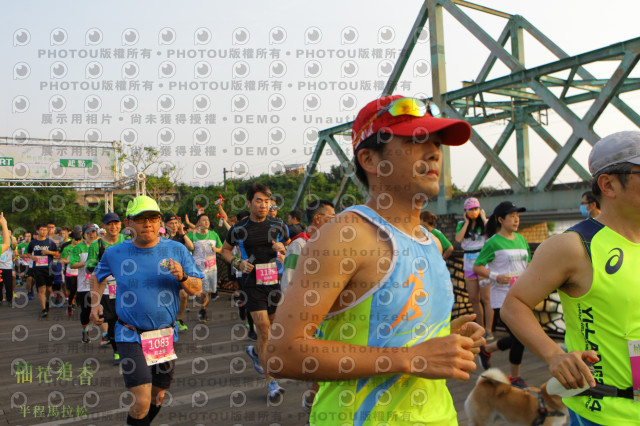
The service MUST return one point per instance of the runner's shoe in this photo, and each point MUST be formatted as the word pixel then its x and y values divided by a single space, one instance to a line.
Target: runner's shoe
pixel 44 313
pixel 256 361
pixel 518 382
pixel 252 334
pixel 202 315
pixel 182 326
pixel 105 340
pixel 69 310
pixel 485 358
pixel 85 337
pixel 275 391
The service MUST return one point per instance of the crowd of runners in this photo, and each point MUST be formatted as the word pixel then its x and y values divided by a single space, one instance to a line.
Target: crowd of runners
pixel 135 275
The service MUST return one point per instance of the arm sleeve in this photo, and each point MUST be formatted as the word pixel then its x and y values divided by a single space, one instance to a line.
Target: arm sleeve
pixel 188 264
pixel 459 226
pixel 92 257
pixel 30 247
pixel 524 240
pixel 74 257
pixel 487 254
pixel 103 269
pixel 443 240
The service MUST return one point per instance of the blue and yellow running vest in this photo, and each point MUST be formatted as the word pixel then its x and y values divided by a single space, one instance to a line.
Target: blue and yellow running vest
pixel 411 304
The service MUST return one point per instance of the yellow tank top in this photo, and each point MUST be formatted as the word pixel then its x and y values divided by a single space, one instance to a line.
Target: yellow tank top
pixel 605 319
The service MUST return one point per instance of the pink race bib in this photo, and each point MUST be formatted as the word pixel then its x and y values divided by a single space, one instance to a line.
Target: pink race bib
pixel 42 261
pixel 634 355
pixel 210 263
pixel 266 273
pixel 111 285
pixel 157 346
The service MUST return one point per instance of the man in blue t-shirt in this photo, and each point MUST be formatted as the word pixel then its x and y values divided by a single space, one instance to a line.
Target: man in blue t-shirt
pixel 149 272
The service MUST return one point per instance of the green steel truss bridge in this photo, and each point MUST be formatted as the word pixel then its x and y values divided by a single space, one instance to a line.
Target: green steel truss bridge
pixel 520 100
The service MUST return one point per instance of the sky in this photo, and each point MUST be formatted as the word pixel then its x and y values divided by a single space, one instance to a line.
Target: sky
pixel 245 86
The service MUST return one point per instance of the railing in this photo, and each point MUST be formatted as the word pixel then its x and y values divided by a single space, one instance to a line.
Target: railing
pixel 548 312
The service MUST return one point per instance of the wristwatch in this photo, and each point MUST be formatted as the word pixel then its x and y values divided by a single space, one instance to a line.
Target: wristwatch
pixel 236 262
pixel 184 277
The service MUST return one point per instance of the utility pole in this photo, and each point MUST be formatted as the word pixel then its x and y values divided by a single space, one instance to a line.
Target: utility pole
pixel 224 178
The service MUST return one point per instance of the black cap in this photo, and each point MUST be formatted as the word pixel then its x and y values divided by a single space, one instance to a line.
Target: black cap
pixel 170 216
pixel 110 217
pixel 506 207
pixel 88 227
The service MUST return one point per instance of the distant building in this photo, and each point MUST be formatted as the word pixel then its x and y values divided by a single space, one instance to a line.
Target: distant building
pixel 294 169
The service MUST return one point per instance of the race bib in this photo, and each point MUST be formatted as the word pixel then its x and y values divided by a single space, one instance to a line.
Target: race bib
pixel 634 355
pixel 111 286
pixel 210 263
pixel 157 346
pixel 266 273
pixel 513 277
pixel 42 260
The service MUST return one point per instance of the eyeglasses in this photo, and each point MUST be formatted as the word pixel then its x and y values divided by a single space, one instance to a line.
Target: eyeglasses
pixel 404 106
pixel 152 219
pixel 273 208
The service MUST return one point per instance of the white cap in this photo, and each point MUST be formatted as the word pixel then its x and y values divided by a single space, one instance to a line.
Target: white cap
pixel 621 147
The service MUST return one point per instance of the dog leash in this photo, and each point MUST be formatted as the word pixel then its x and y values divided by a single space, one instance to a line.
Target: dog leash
pixel 543 413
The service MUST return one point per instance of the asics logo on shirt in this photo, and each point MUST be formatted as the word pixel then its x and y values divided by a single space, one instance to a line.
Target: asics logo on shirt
pixel 611 267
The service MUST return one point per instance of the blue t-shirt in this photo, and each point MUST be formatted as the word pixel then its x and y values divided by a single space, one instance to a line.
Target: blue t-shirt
pixel 147 295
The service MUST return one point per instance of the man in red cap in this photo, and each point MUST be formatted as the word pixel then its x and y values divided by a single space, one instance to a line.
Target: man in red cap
pixel 367 311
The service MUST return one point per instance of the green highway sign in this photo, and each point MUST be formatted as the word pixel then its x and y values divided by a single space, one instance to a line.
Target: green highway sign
pixel 76 163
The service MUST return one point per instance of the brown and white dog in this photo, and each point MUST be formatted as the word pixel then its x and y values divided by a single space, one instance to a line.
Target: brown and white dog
pixel 493 398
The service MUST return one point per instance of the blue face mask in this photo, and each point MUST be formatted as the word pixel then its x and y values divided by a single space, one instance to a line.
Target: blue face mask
pixel 583 210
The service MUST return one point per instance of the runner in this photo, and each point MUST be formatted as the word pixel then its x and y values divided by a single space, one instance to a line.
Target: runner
pixel 175 232
pixel 42 250
pixel 589 205
pixel 239 297
pixel 378 284
pixel 71 275
pixel 206 244
pixel 64 234
pixel 149 272
pixel 428 220
pixel 318 212
pixel 26 264
pixel 78 260
pixel 112 225
pixel 259 238
pixel 273 209
pixel 294 227
pixel 7 245
pixel 502 259
pixel 594 267
pixel 471 236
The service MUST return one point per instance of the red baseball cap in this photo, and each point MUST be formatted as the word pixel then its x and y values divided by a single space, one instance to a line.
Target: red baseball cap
pixel 454 132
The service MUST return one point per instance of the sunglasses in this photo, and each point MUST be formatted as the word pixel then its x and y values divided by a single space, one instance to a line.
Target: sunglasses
pixel 152 219
pixel 404 106
pixel 272 208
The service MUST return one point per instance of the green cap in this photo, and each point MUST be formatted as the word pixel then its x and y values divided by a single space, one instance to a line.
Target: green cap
pixel 142 204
